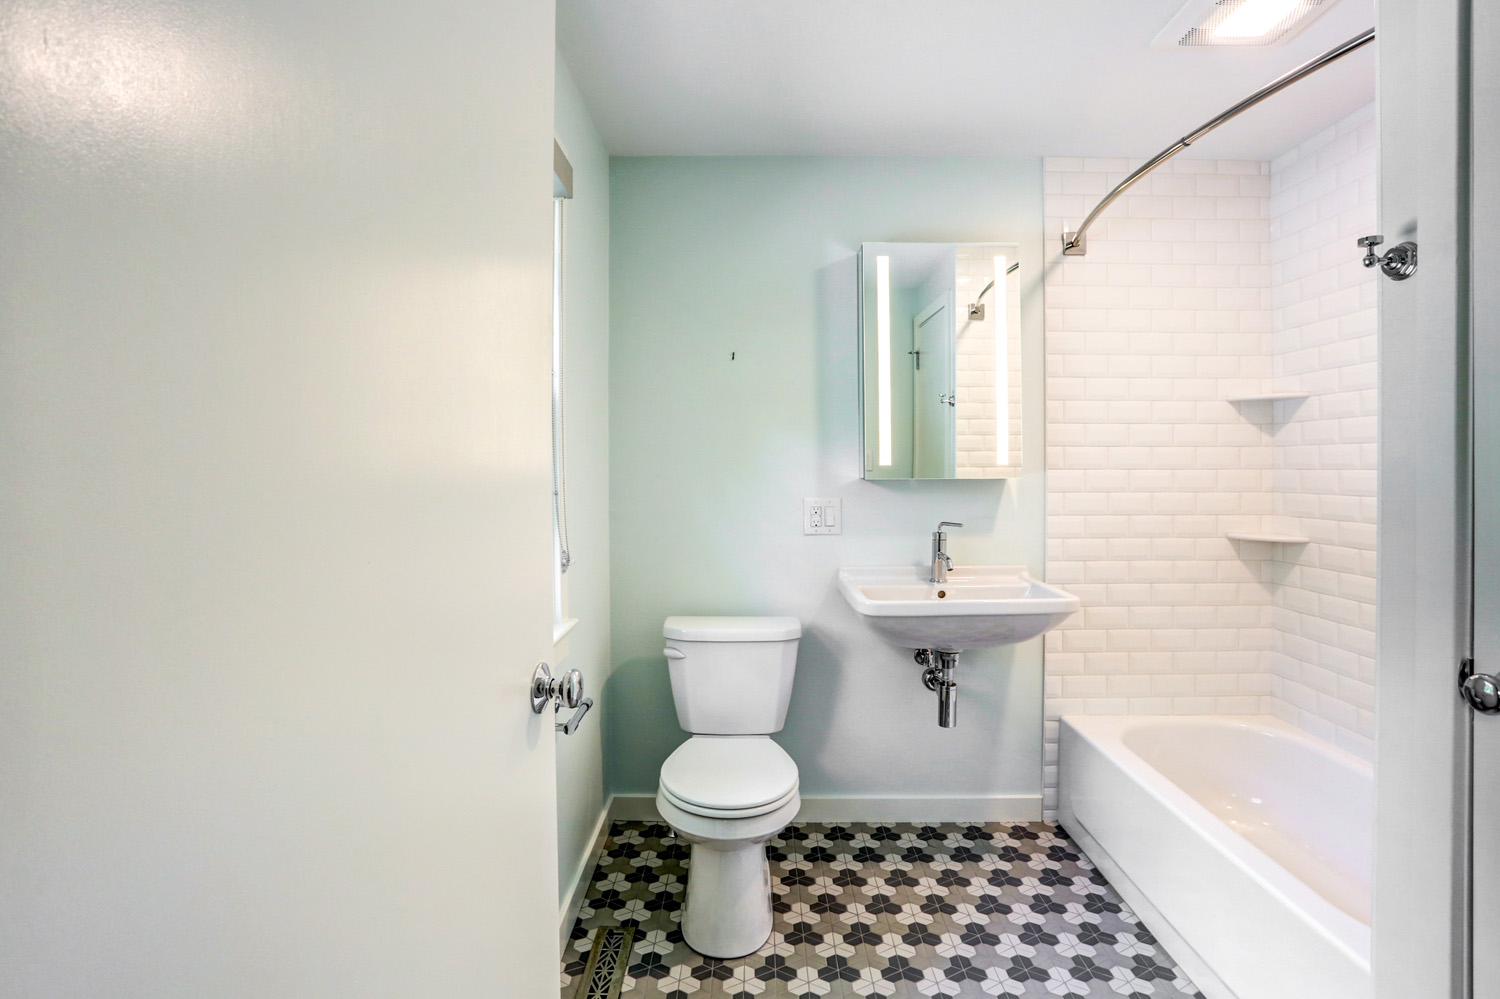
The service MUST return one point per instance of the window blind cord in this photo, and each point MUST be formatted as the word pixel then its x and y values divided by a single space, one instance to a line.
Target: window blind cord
pixel 559 410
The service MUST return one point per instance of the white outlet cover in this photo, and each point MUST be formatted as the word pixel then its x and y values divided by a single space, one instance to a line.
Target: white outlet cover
pixel 822 515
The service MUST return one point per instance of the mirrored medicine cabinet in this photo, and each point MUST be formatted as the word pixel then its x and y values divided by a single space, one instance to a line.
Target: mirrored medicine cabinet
pixel 940 360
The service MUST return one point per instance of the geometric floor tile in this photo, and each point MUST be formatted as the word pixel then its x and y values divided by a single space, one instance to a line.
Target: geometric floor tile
pixel 901 910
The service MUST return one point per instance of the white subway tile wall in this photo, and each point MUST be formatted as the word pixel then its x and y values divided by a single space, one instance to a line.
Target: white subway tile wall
pixel 1323 652
pixel 1148 467
pixel 1173 311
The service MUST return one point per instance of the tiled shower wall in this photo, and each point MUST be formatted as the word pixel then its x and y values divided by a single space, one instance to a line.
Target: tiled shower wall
pixel 1147 466
pixel 1323 653
pixel 1212 279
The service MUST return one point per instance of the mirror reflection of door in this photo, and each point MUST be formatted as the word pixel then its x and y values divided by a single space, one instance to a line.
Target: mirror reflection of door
pixel 933 392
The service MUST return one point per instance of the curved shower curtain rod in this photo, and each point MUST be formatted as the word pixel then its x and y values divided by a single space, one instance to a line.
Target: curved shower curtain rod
pixel 1009 270
pixel 1073 242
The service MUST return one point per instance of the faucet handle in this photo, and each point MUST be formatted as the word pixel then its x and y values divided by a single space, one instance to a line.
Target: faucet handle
pixel 947 523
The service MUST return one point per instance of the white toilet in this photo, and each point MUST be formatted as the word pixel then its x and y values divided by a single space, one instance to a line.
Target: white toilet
pixel 729 788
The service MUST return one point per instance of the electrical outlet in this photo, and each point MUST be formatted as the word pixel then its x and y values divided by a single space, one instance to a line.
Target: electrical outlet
pixel 822 516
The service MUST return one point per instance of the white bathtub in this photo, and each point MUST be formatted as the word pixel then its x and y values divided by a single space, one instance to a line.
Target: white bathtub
pixel 1243 844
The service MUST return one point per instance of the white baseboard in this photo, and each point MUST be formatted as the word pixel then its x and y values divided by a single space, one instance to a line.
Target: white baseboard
pixel 994 808
pixel 582 877
pixel 633 808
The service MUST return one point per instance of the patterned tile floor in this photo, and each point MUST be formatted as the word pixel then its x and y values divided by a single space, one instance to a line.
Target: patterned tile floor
pixel 964 910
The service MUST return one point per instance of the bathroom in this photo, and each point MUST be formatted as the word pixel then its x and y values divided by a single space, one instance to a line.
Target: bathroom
pixel 792 559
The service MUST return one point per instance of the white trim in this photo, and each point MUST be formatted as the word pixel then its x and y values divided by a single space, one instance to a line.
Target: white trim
pixel 1483 875
pixel 582 877
pixel 838 808
pixel 1419 934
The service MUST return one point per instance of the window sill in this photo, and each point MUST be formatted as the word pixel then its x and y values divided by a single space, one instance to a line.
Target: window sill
pixel 560 630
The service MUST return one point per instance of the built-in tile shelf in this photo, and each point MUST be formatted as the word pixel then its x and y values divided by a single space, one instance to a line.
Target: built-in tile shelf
pixel 1268 397
pixel 1273 539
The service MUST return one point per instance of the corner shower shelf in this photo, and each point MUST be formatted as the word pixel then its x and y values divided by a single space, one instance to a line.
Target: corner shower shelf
pixel 1274 539
pixel 1268 397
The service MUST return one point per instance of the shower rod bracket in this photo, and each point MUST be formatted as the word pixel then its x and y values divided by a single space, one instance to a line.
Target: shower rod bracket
pixel 1398 263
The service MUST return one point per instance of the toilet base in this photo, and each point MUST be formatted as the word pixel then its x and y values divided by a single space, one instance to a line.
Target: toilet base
pixel 727 913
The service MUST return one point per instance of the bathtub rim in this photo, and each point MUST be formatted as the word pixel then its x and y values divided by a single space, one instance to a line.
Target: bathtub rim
pixel 1105 733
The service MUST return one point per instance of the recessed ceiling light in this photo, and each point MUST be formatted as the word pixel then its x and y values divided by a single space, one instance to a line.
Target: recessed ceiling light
pixel 1256 18
pixel 1238 22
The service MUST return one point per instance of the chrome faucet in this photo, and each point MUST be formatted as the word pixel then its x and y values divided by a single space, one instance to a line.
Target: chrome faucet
pixel 941 563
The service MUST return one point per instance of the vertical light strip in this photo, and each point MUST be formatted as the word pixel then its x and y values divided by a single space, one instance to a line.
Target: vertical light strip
pixel 883 356
pixel 1002 362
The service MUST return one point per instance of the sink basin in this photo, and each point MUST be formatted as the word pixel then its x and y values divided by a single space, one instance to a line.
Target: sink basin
pixel 978 607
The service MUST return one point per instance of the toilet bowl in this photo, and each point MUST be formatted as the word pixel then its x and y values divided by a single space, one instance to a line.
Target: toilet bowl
pixel 728 910
pixel 729 789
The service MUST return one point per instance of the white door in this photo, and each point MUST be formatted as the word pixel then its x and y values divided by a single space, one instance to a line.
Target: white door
pixel 274 512
pixel 933 453
pixel 1485 809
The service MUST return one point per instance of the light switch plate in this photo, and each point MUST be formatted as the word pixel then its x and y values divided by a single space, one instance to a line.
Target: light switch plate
pixel 822 516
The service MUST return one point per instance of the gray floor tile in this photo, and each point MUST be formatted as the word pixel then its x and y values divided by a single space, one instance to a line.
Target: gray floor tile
pixel 900 911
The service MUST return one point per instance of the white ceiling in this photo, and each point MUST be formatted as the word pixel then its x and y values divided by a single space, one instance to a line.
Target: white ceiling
pixel 939 78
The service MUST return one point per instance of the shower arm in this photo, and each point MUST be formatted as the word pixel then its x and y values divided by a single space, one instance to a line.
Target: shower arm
pixel 1073 241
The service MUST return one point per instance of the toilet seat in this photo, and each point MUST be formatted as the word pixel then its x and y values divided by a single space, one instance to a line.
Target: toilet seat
pixel 729 776
pixel 726 813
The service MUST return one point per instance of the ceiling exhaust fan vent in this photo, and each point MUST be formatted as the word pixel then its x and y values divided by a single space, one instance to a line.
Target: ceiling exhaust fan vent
pixel 1238 23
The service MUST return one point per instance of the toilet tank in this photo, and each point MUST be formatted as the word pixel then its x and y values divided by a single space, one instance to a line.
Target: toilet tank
pixel 731 675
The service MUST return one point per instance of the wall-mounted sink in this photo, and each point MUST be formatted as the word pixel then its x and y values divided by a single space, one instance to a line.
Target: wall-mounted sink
pixel 976 607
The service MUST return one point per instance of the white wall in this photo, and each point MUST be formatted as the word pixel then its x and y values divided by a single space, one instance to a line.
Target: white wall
pixel 581 797
pixel 711 458
pixel 1323 643
pixel 273 320
pixel 1148 465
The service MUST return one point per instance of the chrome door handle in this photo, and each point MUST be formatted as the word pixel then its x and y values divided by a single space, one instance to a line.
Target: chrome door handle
pixel 571 725
pixel 1480 690
pixel 561 690
pixel 566 689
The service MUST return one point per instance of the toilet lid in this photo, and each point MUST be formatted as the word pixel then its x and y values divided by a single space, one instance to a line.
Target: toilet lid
pixel 730 772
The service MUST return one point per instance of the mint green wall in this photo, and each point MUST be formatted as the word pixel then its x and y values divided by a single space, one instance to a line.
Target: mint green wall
pixel 580 767
pixel 711 457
